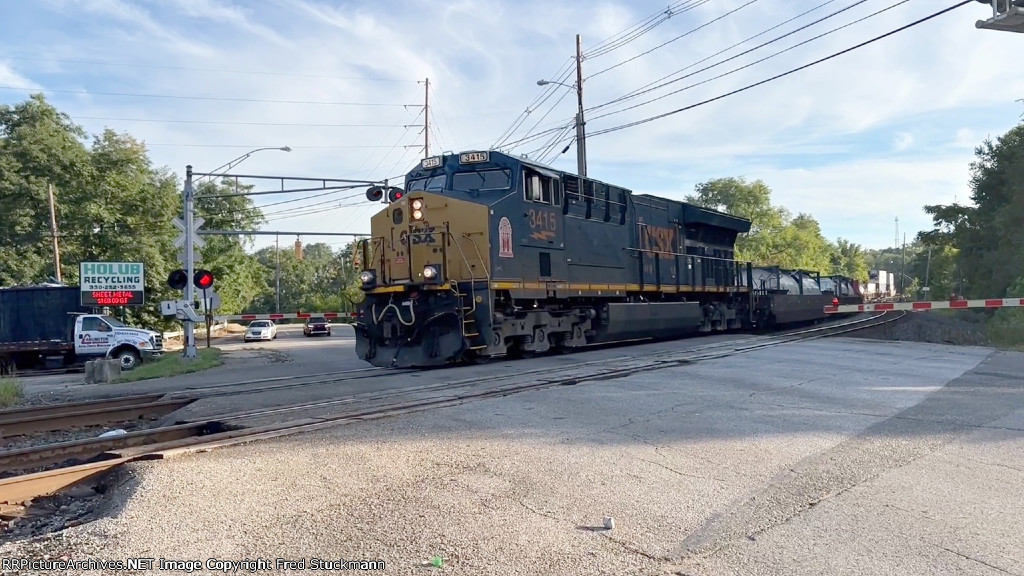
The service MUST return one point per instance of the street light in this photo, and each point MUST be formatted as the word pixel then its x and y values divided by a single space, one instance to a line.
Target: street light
pixel 581 143
pixel 242 158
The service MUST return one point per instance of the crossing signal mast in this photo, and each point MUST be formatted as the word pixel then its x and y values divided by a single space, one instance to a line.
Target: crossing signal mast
pixel 1007 16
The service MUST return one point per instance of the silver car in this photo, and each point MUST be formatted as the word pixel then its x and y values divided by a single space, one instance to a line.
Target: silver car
pixel 260 330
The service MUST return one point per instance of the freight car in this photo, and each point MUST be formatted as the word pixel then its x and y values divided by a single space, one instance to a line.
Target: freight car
pixel 485 254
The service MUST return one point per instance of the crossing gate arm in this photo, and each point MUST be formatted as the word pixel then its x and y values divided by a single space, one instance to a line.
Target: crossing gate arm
pixel 303 315
pixel 937 305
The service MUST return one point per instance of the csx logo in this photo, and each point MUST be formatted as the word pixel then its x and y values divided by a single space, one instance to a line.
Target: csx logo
pixel 658 239
pixel 423 236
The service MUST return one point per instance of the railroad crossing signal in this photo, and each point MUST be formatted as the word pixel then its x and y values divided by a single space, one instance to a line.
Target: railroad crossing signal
pixel 202 279
pixel 197 223
pixel 178 279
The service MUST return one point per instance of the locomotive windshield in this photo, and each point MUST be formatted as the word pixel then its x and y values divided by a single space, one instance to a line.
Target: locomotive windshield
pixel 429 184
pixel 499 179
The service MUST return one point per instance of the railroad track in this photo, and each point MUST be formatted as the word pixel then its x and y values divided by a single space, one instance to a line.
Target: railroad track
pixel 77 460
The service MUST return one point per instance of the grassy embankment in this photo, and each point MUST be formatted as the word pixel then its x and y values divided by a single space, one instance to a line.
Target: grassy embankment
pixel 1006 329
pixel 172 364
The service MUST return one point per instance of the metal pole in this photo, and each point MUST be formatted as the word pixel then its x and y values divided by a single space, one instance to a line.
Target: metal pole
pixel 426 119
pixel 927 272
pixel 581 139
pixel 278 275
pixel 53 231
pixel 190 335
pixel 209 316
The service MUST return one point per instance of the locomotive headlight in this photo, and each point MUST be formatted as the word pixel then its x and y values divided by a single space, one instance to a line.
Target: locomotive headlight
pixel 430 272
pixel 417 204
pixel 417 214
pixel 366 277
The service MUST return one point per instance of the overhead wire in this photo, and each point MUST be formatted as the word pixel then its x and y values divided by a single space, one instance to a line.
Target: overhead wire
pixel 629 34
pixel 733 71
pixel 651 87
pixel 214 70
pixel 679 37
pixel 238 123
pixel 214 98
pixel 566 70
pixel 784 74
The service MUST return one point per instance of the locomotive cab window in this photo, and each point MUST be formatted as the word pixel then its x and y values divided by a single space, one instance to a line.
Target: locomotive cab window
pixel 541 188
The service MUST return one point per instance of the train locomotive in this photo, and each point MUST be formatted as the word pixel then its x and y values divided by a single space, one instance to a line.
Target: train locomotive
pixel 486 254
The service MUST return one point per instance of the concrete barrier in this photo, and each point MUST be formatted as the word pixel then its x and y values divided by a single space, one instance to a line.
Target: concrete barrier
pixel 102 371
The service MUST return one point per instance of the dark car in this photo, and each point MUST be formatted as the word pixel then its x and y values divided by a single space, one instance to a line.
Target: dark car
pixel 317 325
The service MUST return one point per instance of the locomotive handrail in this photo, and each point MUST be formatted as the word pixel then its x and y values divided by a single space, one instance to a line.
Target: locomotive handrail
pixel 476 248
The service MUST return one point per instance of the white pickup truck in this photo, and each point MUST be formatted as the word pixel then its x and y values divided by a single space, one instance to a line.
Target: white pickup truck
pixel 45 328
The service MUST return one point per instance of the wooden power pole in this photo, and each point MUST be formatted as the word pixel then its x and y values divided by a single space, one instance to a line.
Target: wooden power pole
pixel 53 232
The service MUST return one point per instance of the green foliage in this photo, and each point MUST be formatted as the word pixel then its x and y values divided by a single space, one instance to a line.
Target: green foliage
pixel 1006 327
pixel 11 391
pixel 849 259
pixel 39 146
pixel 321 281
pixel 989 236
pixel 240 278
pixel 776 238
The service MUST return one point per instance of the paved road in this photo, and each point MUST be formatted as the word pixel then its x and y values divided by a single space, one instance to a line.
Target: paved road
pixel 837 456
pixel 290 355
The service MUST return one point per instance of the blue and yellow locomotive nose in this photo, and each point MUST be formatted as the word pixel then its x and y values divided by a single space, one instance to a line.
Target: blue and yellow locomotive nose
pixel 424 238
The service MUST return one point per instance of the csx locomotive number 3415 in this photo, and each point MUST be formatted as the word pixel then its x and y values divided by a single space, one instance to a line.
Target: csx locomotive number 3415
pixel 485 254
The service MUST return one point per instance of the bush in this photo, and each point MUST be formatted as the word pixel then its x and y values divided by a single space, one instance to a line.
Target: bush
pixel 11 391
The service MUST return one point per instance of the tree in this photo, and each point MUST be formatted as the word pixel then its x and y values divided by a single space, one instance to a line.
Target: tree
pixel 989 236
pixel 750 200
pixel 775 237
pixel 850 260
pixel 241 280
pixel 39 147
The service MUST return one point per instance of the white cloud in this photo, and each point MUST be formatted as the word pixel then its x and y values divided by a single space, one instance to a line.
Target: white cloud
pixel 860 139
pixel 903 141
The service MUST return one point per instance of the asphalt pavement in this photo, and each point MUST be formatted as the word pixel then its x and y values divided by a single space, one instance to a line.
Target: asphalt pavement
pixel 836 456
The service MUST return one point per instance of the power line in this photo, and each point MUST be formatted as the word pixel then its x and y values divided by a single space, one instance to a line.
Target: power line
pixel 264 146
pixel 228 123
pixel 668 13
pixel 663 44
pixel 754 63
pixel 201 97
pixel 644 89
pixel 862 44
pixel 215 70
pixel 566 70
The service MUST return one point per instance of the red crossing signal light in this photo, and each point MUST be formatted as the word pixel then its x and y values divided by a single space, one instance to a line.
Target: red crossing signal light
pixel 203 279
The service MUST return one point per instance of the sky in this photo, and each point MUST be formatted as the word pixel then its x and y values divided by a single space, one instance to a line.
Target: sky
pixel 857 141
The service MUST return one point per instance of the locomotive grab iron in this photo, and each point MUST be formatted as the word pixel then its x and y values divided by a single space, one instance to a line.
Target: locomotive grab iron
pixel 484 254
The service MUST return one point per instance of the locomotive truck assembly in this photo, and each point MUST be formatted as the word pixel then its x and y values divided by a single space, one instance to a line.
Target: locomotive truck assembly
pixel 485 254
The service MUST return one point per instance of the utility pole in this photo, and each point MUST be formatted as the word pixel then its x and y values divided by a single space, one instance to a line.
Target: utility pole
pixel 426 118
pixel 53 232
pixel 903 265
pixel 927 275
pixel 278 274
pixel 581 140
pixel 190 264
